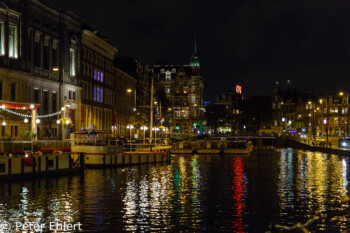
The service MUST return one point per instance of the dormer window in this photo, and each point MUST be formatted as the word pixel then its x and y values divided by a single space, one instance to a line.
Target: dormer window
pixel 162 71
pixel 173 71
pixel 167 76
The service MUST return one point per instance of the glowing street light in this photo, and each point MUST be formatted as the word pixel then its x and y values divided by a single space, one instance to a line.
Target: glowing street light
pixel 130 127
pixel 144 128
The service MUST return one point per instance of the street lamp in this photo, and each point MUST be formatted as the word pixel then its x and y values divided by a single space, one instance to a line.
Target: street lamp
pixel 129 90
pixel 165 130
pixel 155 129
pixel 144 128
pixel 347 112
pixel 130 127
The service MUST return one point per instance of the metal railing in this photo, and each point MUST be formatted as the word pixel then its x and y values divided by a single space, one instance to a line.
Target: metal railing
pixel 98 142
pixel 145 146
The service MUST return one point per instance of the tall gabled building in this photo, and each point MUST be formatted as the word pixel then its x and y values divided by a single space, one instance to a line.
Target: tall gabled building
pixel 179 90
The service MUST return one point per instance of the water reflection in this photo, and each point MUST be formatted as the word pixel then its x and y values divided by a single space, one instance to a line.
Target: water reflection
pixel 239 193
pixel 320 181
pixel 32 202
pixel 194 193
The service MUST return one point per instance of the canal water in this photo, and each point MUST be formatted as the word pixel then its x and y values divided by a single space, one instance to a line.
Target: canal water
pixel 193 193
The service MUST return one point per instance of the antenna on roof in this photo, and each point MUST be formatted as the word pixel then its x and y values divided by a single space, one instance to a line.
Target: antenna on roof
pixel 195 43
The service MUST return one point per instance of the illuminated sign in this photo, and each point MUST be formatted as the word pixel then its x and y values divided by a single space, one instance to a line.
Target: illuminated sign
pixel 238 89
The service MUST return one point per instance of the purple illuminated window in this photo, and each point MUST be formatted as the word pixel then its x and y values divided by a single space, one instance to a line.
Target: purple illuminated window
pixel 98 94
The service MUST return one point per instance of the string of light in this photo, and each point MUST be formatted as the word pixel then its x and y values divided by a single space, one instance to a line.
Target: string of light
pixel 26 115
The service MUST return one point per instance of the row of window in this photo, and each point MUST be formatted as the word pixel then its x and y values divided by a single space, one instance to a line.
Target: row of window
pixel 90 71
pixel 173 71
pixel 98 60
pixel 185 89
pixel 97 94
pixel 38 54
pixel 46 98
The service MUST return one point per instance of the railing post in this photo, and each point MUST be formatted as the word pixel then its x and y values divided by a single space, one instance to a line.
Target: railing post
pixel 82 161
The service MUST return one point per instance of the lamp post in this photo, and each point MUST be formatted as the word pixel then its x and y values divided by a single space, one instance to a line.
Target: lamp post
pixel 322 110
pixel 30 130
pixel 347 112
pixel 165 130
pixel 155 129
pixel 130 127
pixel 144 128
pixel 64 121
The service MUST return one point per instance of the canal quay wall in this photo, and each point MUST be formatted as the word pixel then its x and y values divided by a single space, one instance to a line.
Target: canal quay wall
pixel 20 167
pixel 39 165
pixel 293 143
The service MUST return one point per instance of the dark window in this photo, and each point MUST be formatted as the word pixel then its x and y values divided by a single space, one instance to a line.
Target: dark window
pixel 54 58
pixel 3 131
pixel 46 57
pixel 73 95
pixel 2 167
pixel 50 163
pixel 36 96
pixel 37 55
pixel 54 102
pixel 46 102
pixel 13 91
pixel 0 90
pixel 37 132
pixel 14 131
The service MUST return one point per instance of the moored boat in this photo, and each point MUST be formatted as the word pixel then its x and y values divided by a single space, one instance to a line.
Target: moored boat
pixel 106 152
pixel 208 147
pixel 238 147
pixel 26 165
pixel 182 147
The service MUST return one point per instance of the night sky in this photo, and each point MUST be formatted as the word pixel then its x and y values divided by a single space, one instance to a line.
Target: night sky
pixel 254 43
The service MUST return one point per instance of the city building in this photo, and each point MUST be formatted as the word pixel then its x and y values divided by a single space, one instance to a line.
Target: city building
pixel 99 94
pixel 142 74
pixel 179 90
pixel 125 109
pixel 39 54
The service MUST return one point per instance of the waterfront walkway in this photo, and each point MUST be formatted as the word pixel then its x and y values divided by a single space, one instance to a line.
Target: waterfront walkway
pixel 318 144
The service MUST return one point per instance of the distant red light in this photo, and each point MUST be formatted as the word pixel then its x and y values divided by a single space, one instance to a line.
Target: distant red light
pixel 238 89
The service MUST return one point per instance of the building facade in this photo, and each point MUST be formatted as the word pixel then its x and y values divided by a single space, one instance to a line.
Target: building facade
pixel 179 89
pixel 98 81
pixel 39 54
pixel 125 111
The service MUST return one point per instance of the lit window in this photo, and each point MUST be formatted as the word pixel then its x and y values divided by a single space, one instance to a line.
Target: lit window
pixel 72 62
pixel 173 71
pixel 167 90
pixel 162 71
pixel 167 76
pixel 98 94
pixel 2 50
pixel 13 41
